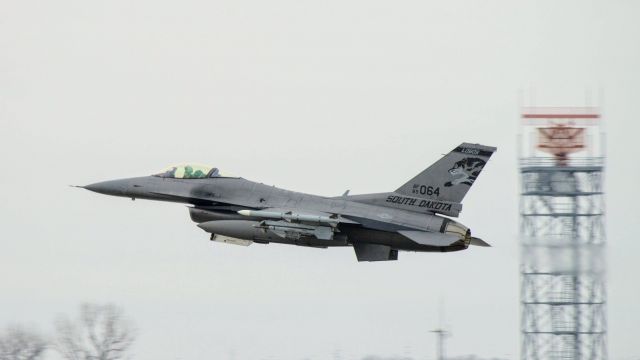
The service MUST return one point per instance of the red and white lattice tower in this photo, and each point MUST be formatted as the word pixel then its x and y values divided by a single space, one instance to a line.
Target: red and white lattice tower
pixel 563 289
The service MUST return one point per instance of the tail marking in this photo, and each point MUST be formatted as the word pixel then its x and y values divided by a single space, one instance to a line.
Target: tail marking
pixel 465 171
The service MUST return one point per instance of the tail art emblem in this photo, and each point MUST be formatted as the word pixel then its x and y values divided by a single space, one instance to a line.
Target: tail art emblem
pixel 465 171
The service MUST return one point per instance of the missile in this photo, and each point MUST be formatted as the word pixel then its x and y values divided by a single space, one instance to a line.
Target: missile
pixel 318 219
pixel 266 230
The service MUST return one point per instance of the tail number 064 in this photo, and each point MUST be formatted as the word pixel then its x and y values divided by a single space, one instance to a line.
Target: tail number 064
pixel 428 190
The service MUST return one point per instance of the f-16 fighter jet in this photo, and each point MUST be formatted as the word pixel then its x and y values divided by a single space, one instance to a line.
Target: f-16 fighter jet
pixel 415 217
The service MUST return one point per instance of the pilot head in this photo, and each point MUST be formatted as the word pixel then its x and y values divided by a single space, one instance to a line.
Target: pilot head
pixel 188 171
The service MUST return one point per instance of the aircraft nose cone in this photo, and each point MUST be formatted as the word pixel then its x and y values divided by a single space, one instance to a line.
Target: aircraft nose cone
pixel 113 187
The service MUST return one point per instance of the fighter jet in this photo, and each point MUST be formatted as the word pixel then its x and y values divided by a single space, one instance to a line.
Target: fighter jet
pixel 415 217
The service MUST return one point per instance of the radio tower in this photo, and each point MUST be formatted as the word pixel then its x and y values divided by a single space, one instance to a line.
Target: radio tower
pixel 563 291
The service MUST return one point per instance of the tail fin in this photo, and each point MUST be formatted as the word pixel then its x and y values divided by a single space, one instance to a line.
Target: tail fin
pixel 449 178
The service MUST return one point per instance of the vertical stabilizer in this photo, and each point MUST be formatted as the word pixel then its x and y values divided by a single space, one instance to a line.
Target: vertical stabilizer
pixel 449 178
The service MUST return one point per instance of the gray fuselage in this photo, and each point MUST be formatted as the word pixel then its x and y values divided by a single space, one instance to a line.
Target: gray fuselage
pixel 220 198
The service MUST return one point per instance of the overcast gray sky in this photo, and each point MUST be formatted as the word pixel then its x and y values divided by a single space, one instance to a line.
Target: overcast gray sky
pixel 314 96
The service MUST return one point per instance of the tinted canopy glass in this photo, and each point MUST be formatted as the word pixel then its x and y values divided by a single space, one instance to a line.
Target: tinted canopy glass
pixel 189 171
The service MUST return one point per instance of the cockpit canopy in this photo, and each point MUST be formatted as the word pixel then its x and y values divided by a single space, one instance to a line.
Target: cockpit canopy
pixel 189 171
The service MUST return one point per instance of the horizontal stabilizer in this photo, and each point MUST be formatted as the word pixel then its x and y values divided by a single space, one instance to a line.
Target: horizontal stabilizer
pixel 479 242
pixel 374 252
pixel 430 238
